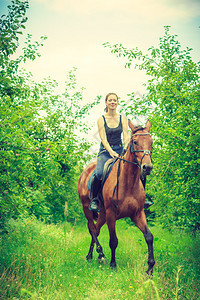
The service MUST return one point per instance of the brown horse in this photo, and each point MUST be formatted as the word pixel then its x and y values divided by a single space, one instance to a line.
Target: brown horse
pixel 123 194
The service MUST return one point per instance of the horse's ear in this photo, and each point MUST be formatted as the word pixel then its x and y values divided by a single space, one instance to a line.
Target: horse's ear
pixel 131 125
pixel 148 125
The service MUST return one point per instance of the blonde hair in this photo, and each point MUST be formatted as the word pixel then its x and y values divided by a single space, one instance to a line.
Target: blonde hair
pixel 106 109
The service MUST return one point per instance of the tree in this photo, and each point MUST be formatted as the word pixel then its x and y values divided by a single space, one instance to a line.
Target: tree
pixel 40 154
pixel 172 104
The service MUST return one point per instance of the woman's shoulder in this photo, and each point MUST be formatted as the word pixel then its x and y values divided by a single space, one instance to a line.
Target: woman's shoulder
pixel 124 118
pixel 124 121
pixel 100 119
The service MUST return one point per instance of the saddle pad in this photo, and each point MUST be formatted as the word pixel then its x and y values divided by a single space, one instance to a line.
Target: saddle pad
pixel 107 169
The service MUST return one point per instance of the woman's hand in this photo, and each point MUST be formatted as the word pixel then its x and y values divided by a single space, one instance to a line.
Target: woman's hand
pixel 113 154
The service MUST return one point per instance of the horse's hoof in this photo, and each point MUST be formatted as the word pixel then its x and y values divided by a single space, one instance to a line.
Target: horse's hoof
pixel 149 273
pixel 113 265
pixel 102 260
pixel 89 258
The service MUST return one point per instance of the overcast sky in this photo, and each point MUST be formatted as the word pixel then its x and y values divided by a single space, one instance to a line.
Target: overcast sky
pixel 76 30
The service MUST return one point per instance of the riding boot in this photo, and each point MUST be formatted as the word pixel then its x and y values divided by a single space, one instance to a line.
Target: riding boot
pixel 95 186
pixel 148 202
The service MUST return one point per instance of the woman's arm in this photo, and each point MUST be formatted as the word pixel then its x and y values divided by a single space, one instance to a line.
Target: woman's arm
pixel 126 137
pixel 102 134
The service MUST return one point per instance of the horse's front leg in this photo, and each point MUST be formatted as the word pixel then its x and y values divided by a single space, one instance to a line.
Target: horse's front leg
pixel 111 221
pixel 141 223
pixel 149 240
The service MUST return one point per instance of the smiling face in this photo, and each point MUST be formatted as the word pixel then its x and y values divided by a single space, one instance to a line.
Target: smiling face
pixel 111 101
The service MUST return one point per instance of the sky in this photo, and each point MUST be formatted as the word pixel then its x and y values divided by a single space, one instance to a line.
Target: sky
pixel 76 30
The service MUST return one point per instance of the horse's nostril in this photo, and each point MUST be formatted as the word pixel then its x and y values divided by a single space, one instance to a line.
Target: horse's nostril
pixel 147 168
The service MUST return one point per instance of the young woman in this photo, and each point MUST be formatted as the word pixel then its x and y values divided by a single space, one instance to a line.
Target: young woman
pixel 110 126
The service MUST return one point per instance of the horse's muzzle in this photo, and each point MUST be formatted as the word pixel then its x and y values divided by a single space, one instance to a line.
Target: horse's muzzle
pixel 146 169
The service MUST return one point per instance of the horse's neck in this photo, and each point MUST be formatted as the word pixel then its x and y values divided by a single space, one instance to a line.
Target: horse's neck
pixel 131 170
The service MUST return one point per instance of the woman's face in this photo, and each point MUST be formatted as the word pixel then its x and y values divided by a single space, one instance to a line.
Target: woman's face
pixel 112 102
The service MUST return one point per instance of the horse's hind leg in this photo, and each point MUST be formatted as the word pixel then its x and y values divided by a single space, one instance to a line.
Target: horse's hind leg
pixel 90 253
pixel 141 223
pixel 100 222
pixel 93 232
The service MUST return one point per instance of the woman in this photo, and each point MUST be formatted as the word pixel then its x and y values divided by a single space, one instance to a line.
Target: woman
pixel 110 127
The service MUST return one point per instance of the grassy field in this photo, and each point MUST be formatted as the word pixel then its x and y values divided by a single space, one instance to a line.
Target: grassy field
pixel 41 261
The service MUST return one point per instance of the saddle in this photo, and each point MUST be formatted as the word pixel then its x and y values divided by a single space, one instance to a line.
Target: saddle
pixel 106 171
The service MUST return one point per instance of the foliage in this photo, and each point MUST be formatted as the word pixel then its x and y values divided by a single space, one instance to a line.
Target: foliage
pixel 41 155
pixel 40 261
pixel 172 104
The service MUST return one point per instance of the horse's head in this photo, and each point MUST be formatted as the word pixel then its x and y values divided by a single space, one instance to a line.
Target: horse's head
pixel 141 147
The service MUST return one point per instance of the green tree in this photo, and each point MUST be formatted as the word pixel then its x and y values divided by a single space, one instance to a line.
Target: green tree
pixel 40 154
pixel 172 104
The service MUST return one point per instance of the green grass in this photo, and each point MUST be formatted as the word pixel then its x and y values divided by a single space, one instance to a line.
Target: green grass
pixel 41 261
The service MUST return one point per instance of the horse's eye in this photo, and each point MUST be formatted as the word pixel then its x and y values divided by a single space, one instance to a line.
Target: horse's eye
pixel 134 142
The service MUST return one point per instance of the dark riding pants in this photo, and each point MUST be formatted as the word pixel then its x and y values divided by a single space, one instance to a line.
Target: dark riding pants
pixel 103 156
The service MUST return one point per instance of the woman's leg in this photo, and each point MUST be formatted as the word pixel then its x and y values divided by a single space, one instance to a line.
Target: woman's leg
pixel 101 159
pixel 96 182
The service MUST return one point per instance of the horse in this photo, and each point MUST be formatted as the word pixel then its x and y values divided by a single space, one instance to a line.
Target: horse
pixel 122 193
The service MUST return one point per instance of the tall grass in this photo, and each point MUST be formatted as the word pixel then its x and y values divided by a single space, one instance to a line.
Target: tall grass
pixel 41 261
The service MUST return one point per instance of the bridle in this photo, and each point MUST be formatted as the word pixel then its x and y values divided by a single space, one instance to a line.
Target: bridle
pixel 133 151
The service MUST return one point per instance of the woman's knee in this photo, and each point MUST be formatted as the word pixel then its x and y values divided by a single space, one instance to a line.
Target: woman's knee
pixel 99 172
pixel 99 168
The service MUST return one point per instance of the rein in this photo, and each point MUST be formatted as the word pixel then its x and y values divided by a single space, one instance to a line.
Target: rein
pixel 131 162
pixel 135 162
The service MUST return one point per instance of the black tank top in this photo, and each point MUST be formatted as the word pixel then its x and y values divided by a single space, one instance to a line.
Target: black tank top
pixel 113 134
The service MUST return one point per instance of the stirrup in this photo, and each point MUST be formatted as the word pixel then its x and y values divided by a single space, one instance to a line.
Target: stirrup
pixel 94 205
pixel 148 202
